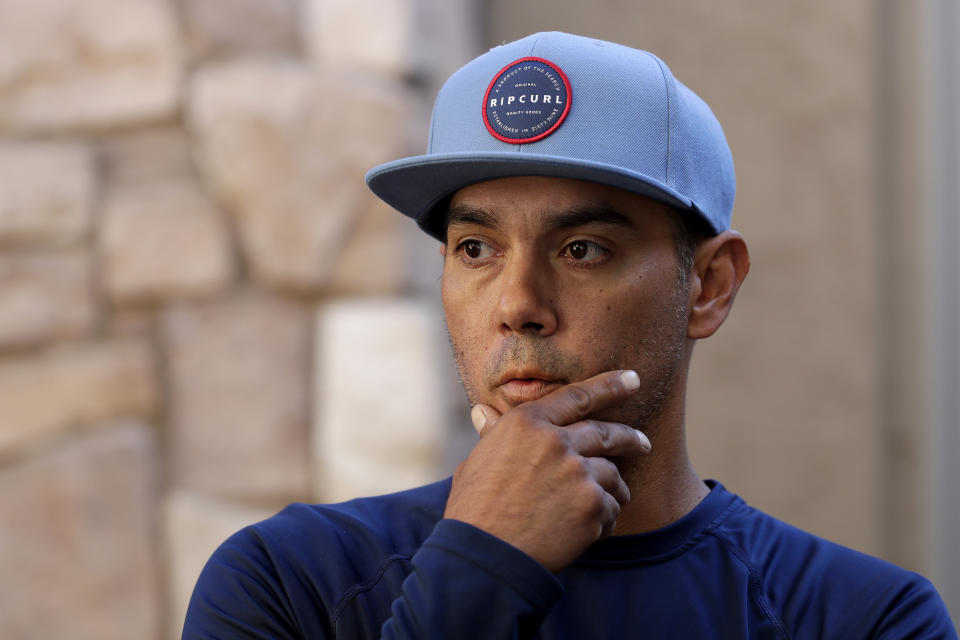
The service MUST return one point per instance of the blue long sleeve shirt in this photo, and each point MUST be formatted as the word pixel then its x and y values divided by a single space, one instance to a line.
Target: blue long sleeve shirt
pixel 391 567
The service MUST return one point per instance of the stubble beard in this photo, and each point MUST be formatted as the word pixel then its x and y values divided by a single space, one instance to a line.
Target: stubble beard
pixel 662 357
pixel 658 359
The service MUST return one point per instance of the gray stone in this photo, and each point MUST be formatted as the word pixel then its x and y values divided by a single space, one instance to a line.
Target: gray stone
pixel 195 525
pixel 380 417
pixel 162 240
pixel 238 380
pixel 225 27
pixel 285 151
pixel 45 296
pixel 46 191
pixel 80 64
pixel 76 539
pixel 76 385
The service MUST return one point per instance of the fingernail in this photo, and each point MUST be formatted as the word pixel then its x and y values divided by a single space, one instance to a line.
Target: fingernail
pixel 479 418
pixel 630 380
pixel 644 440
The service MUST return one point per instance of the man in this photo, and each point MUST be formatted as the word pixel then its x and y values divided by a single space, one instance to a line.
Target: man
pixel 582 197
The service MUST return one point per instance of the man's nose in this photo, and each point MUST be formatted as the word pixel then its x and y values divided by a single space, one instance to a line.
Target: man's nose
pixel 527 298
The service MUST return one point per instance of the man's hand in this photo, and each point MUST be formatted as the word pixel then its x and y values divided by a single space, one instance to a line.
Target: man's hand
pixel 539 477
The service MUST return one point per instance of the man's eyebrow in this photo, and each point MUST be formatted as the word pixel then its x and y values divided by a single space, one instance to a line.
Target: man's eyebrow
pixel 465 214
pixel 567 219
pixel 589 214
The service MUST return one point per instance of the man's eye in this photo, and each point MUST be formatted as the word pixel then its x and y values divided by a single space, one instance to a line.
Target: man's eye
pixel 475 249
pixel 584 251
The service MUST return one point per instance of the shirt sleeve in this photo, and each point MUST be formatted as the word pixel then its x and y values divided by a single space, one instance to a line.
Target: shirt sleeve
pixel 240 596
pixel 918 613
pixel 463 582
pixel 468 583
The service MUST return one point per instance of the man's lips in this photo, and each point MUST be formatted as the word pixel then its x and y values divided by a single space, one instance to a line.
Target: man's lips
pixel 524 386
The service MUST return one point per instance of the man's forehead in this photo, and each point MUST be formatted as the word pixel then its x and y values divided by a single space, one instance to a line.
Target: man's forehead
pixel 555 202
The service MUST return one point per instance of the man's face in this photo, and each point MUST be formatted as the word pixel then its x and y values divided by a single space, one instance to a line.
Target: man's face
pixel 548 281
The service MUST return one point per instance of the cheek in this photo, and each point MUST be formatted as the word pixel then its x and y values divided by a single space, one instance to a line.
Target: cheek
pixel 616 320
pixel 464 317
pixel 456 303
pixel 609 327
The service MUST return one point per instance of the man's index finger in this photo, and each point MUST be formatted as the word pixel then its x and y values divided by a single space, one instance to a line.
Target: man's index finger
pixel 579 399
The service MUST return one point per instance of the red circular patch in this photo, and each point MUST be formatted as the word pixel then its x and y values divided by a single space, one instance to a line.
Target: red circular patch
pixel 526 101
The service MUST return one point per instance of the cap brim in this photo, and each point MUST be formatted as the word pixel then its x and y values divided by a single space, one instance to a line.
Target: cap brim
pixel 415 186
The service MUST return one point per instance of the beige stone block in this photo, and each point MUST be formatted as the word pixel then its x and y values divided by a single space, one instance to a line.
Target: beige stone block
pixel 238 381
pixel 141 155
pixel 224 27
pixel 68 64
pixel 45 296
pixel 375 260
pixel 285 151
pixel 372 34
pixel 446 36
pixel 162 240
pixel 380 398
pixel 195 525
pixel 131 322
pixel 74 385
pixel 46 191
pixel 355 122
pixel 76 539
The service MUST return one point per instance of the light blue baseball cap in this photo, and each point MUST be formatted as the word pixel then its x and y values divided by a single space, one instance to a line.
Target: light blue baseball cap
pixel 555 104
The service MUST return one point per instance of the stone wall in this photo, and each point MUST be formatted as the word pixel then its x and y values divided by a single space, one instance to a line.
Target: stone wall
pixel 193 279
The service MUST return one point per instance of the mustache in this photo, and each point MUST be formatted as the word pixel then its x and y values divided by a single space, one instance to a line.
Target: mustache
pixel 533 353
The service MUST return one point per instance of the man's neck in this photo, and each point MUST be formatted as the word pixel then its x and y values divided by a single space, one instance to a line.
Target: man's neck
pixel 663 485
pixel 657 500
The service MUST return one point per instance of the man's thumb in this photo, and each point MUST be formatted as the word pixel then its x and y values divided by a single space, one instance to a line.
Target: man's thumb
pixel 483 416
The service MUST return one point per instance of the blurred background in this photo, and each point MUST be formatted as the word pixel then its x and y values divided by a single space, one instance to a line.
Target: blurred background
pixel 204 315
